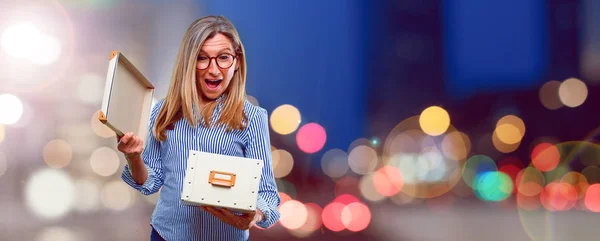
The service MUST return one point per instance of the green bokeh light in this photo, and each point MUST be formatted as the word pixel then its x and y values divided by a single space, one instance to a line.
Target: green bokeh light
pixel 493 186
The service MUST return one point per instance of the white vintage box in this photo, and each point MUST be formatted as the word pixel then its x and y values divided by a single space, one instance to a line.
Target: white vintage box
pixel 127 100
pixel 221 181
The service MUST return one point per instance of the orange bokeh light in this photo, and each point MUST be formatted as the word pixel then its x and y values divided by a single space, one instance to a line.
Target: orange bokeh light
pixel 592 197
pixel 356 216
pixel 388 181
pixel 545 157
pixel 558 196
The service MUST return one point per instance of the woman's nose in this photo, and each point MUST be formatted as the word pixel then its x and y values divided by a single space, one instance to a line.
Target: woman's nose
pixel 213 68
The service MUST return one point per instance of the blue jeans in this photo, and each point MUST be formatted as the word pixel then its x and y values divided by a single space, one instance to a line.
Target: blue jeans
pixel 154 236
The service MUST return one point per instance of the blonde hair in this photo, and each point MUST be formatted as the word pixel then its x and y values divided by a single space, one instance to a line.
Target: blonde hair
pixel 183 99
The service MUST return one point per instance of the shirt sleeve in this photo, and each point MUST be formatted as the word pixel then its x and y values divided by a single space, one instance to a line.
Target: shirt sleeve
pixel 259 147
pixel 152 161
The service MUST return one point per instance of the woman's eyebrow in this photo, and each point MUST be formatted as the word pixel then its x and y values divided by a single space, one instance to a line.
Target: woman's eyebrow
pixel 225 50
pixel 228 50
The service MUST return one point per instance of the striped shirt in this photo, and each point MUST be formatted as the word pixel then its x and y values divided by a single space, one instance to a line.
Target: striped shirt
pixel 166 164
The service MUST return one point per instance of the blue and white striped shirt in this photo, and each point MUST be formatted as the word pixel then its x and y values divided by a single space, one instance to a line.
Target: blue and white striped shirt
pixel 166 163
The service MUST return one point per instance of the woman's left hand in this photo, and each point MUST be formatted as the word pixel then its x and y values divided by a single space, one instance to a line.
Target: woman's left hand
pixel 243 222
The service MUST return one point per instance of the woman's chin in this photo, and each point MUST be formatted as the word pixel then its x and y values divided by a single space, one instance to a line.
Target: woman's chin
pixel 209 96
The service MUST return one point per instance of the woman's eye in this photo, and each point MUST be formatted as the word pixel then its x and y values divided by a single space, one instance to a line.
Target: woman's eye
pixel 224 57
pixel 202 58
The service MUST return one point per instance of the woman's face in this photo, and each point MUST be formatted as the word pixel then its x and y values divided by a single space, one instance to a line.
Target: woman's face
pixel 215 66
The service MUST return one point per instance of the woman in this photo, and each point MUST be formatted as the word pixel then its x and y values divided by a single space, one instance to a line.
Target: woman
pixel 205 110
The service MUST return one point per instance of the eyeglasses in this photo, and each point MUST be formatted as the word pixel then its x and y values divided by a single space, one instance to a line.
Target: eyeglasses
pixel 224 61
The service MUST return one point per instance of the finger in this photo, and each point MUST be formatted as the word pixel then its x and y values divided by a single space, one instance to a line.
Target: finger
pixel 214 211
pixel 137 144
pixel 229 214
pixel 132 144
pixel 254 221
pixel 126 137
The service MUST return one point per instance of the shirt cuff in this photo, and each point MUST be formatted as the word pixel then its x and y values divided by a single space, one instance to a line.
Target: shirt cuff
pixel 146 187
pixel 263 206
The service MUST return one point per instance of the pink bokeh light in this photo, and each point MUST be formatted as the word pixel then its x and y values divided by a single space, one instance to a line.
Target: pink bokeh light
pixel 311 138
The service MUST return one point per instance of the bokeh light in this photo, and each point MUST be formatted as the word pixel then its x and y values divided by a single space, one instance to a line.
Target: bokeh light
pixel 368 189
pixel 530 181
pixel 347 185
pixel 511 166
pixel 503 147
pixel 549 95
pixel 285 119
pixel 592 197
pixel 557 196
pixel 104 161
pixel 578 181
pixel 493 186
pixel 346 199
pixel 335 163
pixel 3 164
pixel 456 145
pixel 510 129
pixel 311 138
pixel 360 142
pixel 87 196
pixel 388 180
pixel 356 216
pixel 429 165
pixel 50 193
pixel 434 120
pixel 56 233
pixel 572 92
pixel 117 195
pixel 284 198
pixel 99 128
pixel 57 153
pixel 47 51
pixel 475 166
pixel 283 163
pixel 11 109
pixel 27 116
pixel 17 40
pixel 332 216
pixel 2 132
pixel 293 214
pixel 545 157
pixel 313 221
pixel 362 159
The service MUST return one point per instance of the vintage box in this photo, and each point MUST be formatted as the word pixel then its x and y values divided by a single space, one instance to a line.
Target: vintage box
pixel 127 100
pixel 221 181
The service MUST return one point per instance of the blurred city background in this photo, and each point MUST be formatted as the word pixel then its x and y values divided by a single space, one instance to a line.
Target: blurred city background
pixel 390 120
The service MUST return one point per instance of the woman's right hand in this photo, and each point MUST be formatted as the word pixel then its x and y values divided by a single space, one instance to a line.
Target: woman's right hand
pixel 130 145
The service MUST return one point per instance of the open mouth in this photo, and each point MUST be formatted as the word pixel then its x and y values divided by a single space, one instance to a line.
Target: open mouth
pixel 212 84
